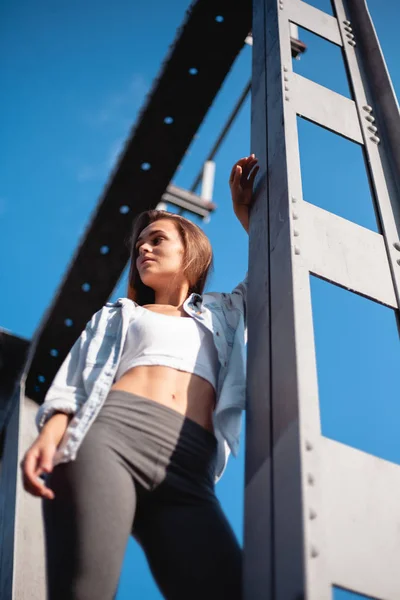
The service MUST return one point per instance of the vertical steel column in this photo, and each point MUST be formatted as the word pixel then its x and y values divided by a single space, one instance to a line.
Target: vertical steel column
pixel 258 518
pixel 293 488
pixel 307 525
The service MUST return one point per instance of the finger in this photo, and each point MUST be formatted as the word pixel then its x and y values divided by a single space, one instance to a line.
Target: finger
pixel 239 163
pixel 38 489
pixel 46 460
pixel 248 167
pixel 238 176
pixel 32 483
pixel 253 175
pixel 251 159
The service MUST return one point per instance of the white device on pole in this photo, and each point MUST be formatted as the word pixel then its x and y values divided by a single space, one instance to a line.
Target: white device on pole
pixel 207 184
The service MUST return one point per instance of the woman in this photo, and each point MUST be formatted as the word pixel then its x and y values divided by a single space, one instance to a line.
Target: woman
pixel 140 419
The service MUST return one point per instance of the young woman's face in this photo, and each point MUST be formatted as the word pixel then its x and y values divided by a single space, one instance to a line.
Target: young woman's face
pixel 160 254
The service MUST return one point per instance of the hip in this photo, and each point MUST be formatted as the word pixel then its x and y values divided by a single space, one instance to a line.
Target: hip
pixel 155 442
pixel 186 393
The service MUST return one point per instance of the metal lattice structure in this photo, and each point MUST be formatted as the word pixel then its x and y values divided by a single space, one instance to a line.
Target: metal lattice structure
pixel 306 523
pixel 308 526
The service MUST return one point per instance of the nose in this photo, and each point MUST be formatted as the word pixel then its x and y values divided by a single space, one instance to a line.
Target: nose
pixel 144 249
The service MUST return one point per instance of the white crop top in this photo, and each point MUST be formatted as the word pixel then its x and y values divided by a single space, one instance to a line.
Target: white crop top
pixel 178 342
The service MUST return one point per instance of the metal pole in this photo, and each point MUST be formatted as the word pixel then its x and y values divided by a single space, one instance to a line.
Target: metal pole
pixel 223 134
pixel 383 97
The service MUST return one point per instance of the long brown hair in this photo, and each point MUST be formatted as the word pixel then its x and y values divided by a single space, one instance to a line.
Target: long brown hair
pixel 197 260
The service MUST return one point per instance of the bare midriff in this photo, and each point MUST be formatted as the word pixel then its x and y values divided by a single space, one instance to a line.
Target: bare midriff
pixel 188 394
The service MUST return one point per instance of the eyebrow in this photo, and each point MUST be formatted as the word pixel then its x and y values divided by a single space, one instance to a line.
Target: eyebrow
pixel 140 238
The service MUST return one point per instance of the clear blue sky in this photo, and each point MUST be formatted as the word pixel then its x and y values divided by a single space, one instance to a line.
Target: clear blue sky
pixel 74 76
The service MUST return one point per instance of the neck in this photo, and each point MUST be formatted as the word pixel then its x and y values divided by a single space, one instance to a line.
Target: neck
pixel 169 297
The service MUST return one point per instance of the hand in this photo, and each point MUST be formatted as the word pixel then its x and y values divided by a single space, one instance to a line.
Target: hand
pixel 38 459
pixel 241 183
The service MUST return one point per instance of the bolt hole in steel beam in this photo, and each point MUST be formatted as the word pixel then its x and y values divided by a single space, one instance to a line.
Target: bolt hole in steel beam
pixel 322 63
pixel 334 175
pixel 358 355
pixel 342 594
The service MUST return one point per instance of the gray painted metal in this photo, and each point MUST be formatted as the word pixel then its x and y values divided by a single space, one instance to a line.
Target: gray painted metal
pixel 344 253
pixel 13 352
pixel 9 474
pixel 383 97
pixel 325 107
pixel 314 20
pixel 22 562
pixel 258 521
pixel 188 200
pixel 332 508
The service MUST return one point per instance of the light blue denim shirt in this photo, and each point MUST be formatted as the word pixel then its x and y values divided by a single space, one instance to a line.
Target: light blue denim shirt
pixel 88 372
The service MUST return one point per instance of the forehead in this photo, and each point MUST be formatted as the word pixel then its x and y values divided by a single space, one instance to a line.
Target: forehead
pixel 166 225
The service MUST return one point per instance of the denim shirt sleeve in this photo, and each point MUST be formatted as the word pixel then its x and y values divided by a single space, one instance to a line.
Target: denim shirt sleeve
pixel 67 393
pixel 238 297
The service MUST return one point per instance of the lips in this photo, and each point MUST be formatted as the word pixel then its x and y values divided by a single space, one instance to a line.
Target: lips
pixel 145 260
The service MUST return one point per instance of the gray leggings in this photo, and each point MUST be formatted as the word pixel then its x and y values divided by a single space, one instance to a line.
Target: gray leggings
pixel 142 469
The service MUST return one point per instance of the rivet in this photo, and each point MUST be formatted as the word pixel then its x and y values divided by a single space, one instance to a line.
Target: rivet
pixel 397 246
pixel 296 232
pixel 297 250
pixel 314 552
pixel 281 7
pixel 309 445
pixel 294 200
pixel 310 479
pixel 398 261
pixel 295 216
pixel 372 128
pixel 286 78
pixel 370 118
pixel 367 108
pixel 347 28
pixel 312 514
pixel 352 43
pixel 287 98
pixel 350 36
pixel 375 139
pixel 285 69
pixel 286 88
pixel 347 23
